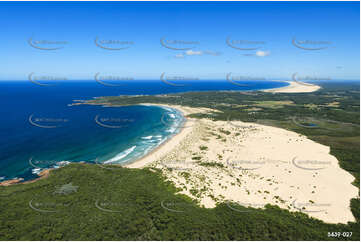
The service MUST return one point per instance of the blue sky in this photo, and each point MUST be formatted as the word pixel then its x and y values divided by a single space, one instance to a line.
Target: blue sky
pixel 268 26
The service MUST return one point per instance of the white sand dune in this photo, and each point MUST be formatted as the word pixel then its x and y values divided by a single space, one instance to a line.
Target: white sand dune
pixel 260 165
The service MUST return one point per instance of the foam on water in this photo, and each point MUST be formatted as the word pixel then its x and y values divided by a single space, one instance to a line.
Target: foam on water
pixel 147 137
pixel 121 155
pixel 148 143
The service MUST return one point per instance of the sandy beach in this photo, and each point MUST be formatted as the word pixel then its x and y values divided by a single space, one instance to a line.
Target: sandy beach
pixel 171 143
pixel 253 165
pixel 295 87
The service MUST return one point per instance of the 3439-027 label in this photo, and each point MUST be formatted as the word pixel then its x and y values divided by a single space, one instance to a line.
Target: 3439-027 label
pixel 339 234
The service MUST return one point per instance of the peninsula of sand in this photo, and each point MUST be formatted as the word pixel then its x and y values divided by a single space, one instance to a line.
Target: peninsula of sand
pixel 253 165
pixel 295 87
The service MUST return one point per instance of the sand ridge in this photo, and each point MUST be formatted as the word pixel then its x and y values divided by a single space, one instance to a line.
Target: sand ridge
pixel 295 87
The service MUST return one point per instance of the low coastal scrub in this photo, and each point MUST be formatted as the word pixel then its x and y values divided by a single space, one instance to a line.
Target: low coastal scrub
pixel 211 164
pixel 203 147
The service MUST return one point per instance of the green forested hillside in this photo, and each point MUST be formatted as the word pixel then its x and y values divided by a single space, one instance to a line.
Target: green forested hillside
pixel 131 204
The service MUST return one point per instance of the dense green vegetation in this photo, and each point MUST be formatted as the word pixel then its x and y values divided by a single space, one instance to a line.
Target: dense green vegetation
pixel 131 204
pixel 88 202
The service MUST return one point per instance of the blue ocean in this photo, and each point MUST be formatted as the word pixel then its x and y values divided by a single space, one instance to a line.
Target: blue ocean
pixel 40 129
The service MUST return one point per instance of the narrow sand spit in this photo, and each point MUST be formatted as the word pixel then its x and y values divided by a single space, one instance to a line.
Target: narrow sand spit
pixel 253 165
pixel 295 87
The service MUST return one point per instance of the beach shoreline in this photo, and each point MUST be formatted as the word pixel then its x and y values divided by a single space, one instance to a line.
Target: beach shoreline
pixel 147 158
pixel 167 145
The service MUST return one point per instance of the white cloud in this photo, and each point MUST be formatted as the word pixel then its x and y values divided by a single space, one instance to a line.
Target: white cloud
pixel 191 52
pixel 179 56
pixel 210 52
pixel 262 53
pixel 197 53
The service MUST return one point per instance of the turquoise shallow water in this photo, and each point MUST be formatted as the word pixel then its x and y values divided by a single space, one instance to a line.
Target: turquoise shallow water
pixel 39 129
